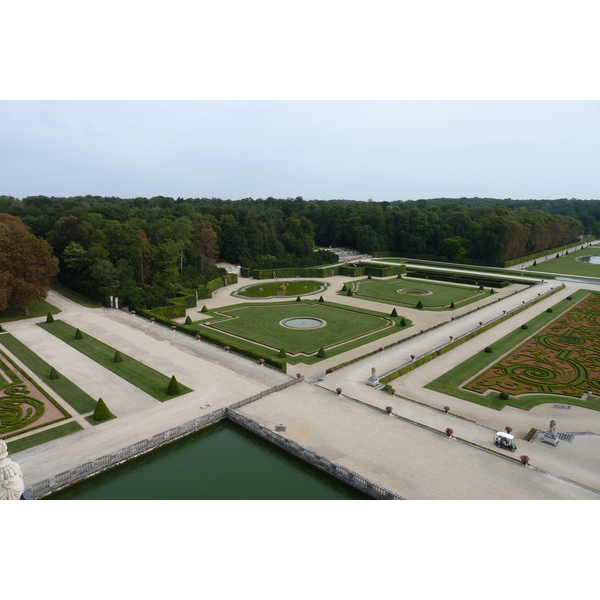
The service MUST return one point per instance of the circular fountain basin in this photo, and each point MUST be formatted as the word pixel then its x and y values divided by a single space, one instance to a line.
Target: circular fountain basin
pixel 303 323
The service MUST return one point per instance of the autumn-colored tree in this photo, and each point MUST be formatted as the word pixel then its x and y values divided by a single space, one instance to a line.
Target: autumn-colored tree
pixel 204 245
pixel 26 264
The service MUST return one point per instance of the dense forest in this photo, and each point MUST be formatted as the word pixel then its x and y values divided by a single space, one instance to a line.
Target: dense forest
pixel 146 249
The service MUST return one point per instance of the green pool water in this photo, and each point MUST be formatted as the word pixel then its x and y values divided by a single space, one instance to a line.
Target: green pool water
pixel 281 289
pixel 222 462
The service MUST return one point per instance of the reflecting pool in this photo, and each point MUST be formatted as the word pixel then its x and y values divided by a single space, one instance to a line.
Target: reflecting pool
pixel 222 462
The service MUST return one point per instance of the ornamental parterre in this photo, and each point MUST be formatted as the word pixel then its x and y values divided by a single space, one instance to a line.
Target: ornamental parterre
pixel 563 359
pixel 23 406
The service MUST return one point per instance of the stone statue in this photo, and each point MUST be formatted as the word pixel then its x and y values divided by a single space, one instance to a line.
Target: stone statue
pixel 11 478
pixel 373 373
pixel 552 429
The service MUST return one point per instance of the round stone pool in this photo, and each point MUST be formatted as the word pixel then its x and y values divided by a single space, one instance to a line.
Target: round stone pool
pixel 303 323
pixel 592 259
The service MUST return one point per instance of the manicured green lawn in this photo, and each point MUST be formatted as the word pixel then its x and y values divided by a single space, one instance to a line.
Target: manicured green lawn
pixel 43 436
pixel 450 383
pixel 37 309
pixel 65 388
pixel 440 298
pixel 283 288
pixel 147 379
pixel 345 327
pixel 568 265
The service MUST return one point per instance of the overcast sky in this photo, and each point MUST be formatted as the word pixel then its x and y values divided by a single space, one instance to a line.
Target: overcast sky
pixel 359 150
pixel 237 99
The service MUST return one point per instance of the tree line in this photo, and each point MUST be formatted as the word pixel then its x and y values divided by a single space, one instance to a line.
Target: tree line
pixel 144 250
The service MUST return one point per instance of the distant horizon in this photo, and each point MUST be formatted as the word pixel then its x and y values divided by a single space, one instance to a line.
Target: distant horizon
pixel 176 199
pixel 383 150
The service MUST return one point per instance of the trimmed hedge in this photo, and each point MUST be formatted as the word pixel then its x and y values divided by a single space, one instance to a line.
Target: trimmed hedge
pixel 101 412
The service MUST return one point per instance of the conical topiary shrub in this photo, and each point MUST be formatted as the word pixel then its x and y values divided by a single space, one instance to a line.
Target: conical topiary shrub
pixel 49 318
pixel 53 373
pixel 1 327
pixel 394 312
pixel 399 276
pixel 78 335
pixel 452 305
pixel 282 353
pixel 118 357
pixel 419 304
pixel 298 299
pixel 321 299
pixel 173 388
pixel 101 412
pixel 204 309
pixel 188 320
pixel 344 288
pixel 349 292
pixel 403 322
pixel 322 353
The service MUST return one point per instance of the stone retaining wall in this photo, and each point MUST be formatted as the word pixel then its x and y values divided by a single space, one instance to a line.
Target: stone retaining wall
pixel 345 475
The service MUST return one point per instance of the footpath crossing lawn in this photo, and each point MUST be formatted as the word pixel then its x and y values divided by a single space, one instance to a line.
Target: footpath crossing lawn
pixel 142 376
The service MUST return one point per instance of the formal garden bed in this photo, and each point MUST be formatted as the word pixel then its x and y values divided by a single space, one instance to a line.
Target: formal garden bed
pixel 552 357
pixel 280 289
pixel 416 293
pixel 147 379
pixel 24 406
pixel 264 328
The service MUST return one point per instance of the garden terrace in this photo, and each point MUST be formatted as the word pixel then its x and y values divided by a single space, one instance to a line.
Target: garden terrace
pixel 142 376
pixel 560 371
pixel 562 359
pixel 262 328
pixel 407 292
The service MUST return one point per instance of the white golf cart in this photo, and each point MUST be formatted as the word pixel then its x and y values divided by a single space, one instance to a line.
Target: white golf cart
pixel 505 440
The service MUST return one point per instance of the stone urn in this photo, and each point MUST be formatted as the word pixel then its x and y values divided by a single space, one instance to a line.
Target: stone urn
pixel 12 485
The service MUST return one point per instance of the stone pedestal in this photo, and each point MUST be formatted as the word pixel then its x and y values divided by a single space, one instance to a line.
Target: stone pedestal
pixel 11 478
pixel 373 381
pixel 550 438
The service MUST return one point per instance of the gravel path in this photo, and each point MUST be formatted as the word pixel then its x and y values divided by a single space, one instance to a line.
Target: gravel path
pixel 400 452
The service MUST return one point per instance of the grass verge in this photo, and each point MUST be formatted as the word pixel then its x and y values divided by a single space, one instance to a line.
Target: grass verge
pixel 74 396
pixel 37 309
pixel 142 376
pixel 43 436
